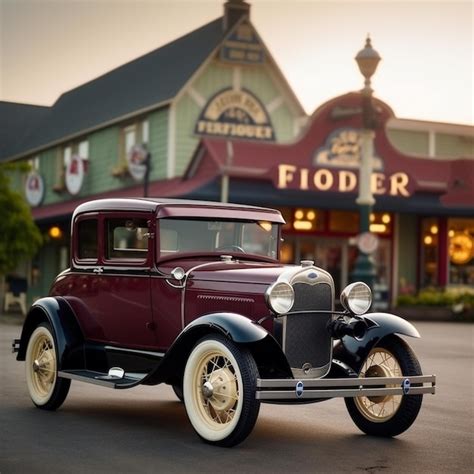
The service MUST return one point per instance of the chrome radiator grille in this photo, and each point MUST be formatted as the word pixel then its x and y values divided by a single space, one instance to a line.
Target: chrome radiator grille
pixel 307 344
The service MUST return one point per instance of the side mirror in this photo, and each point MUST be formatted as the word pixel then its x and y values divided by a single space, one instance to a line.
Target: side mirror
pixel 178 273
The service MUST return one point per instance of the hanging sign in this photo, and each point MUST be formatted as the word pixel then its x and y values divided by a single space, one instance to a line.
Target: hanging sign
pixel 74 174
pixel 34 188
pixel 243 46
pixel 236 114
pixel 137 161
pixel 367 242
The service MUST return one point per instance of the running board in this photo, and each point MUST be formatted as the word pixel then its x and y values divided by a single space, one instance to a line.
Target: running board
pixel 291 389
pixel 102 379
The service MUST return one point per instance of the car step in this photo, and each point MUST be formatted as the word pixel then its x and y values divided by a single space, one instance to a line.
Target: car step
pixel 100 378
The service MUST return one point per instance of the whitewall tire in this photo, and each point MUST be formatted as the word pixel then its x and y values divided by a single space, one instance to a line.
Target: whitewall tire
pixel 46 389
pixel 219 391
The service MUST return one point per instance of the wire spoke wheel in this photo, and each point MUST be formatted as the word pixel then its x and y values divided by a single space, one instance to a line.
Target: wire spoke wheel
pixel 387 415
pixel 380 363
pixel 219 391
pixel 45 388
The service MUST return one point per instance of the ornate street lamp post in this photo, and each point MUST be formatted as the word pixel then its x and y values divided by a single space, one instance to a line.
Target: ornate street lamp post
pixel 367 60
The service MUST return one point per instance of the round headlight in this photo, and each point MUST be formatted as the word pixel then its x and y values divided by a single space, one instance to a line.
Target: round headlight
pixel 280 297
pixel 356 298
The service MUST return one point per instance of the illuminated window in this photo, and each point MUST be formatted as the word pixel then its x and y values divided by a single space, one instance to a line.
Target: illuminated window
pixel 461 251
pixel 429 252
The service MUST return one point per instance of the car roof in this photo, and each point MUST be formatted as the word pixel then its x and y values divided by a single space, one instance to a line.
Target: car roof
pixel 182 208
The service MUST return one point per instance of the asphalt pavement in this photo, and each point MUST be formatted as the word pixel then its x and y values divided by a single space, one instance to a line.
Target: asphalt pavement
pixel 145 429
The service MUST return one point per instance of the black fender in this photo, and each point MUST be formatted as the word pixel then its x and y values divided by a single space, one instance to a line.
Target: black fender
pixel 354 351
pixel 66 331
pixel 239 329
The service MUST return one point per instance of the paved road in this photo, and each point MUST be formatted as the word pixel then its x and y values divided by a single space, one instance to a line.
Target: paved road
pixel 146 430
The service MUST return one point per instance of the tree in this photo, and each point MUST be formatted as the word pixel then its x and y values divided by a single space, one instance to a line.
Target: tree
pixel 20 238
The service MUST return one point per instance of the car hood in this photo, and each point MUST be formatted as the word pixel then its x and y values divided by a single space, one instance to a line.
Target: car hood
pixel 234 271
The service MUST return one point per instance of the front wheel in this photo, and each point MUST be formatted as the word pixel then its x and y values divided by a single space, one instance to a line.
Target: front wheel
pixel 387 415
pixel 219 388
pixel 46 389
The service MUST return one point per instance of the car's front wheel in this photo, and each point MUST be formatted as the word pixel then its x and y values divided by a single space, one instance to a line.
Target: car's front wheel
pixel 387 415
pixel 46 389
pixel 219 391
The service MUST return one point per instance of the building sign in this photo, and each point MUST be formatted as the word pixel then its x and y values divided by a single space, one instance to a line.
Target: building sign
pixel 74 174
pixel 286 176
pixel 367 242
pixel 343 150
pixel 34 188
pixel 137 161
pixel 243 46
pixel 236 114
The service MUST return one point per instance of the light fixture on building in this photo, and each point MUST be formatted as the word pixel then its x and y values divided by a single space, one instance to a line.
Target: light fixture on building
pixel 434 229
pixel 55 232
pixel 299 214
pixel 372 217
pixel 428 240
pixel 304 220
pixel 386 218
pixel 451 233
pixel 303 225
pixel 378 228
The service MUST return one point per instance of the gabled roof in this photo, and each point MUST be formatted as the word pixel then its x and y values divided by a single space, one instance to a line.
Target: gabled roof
pixel 147 81
pixel 15 121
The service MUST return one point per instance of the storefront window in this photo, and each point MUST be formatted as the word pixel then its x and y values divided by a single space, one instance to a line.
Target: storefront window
pixel 429 252
pixel 461 251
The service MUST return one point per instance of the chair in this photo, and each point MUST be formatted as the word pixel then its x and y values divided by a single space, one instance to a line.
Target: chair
pixel 16 293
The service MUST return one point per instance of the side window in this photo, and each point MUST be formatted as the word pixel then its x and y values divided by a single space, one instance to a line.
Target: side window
pixel 127 239
pixel 87 239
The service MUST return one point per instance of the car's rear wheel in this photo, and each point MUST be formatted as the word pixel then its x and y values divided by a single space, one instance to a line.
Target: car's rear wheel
pixel 219 391
pixel 392 414
pixel 46 389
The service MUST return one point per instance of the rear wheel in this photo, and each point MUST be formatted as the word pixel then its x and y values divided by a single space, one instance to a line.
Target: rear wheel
pixel 219 391
pixel 387 415
pixel 46 389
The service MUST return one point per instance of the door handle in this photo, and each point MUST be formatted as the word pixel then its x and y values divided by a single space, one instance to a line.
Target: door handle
pixel 98 270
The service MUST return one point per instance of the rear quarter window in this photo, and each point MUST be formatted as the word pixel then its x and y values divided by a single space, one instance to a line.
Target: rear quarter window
pixel 87 247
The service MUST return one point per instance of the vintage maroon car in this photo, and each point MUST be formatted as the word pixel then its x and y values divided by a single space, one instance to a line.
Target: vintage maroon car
pixel 192 294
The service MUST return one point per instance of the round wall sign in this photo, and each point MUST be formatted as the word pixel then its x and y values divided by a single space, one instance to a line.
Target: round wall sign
pixel 367 242
pixel 34 188
pixel 75 175
pixel 137 162
pixel 460 248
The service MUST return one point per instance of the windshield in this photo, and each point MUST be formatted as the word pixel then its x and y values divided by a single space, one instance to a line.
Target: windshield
pixel 219 236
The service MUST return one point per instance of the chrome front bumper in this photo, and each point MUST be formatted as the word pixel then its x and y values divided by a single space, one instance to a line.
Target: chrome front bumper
pixel 294 389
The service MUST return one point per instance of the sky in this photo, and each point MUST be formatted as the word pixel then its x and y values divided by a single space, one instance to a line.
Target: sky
pixel 50 46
